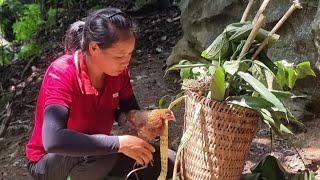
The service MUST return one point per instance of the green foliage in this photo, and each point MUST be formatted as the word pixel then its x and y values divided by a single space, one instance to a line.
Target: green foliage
pixel 52 14
pixel 270 168
pixel 305 175
pixel 229 44
pixel 164 101
pixel 288 73
pixel 28 23
pixel 26 28
pixel 262 90
pixel 259 84
pixel 218 84
pixel 9 11
pixel 5 55
pixel 29 50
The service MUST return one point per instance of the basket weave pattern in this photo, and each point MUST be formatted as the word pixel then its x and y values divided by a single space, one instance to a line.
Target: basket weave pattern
pixel 221 141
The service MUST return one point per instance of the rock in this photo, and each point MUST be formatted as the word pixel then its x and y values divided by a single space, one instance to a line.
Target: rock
pixel 163 38
pixel 316 32
pixel 158 49
pixel 148 6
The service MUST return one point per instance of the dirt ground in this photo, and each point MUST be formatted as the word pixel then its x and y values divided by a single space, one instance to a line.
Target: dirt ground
pixel 159 32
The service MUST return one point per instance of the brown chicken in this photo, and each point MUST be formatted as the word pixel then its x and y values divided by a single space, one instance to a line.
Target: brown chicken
pixel 149 124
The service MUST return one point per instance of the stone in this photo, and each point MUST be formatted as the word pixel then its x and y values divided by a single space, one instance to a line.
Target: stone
pixel 203 22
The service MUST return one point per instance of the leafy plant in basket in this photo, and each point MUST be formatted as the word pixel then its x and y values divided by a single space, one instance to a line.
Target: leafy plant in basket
pixel 240 73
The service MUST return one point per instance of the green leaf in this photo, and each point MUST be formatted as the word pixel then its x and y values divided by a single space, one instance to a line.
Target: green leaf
pixel 231 67
pixel 256 103
pixel 304 69
pixel 293 119
pixel 261 64
pixel 292 77
pixel 237 51
pixel 218 85
pixel 181 65
pixel 262 90
pixel 186 66
pixel 52 14
pixel 163 102
pixel 281 74
pixel 27 25
pixel 288 73
pixel 264 107
pixel 265 60
pixel 6 55
pixel 283 95
pixel 218 48
pixel 241 33
pixel 305 175
pixel 274 123
pixel 270 168
pixel 270 77
pixel 186 73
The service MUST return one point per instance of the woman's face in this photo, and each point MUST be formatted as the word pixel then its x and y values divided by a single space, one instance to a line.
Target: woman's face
pixel 115 59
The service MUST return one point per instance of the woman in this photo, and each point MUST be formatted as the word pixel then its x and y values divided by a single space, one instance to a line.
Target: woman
pixel 76 106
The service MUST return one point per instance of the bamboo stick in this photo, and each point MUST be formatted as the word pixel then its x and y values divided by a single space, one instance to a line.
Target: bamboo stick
pixel 252 36
pixel 247 11
pixel 261 10
pixel 296 5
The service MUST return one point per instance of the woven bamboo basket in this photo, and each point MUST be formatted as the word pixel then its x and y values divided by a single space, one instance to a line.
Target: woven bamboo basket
pixel 220 140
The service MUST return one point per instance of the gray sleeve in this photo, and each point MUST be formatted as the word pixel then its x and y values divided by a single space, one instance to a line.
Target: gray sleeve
pixel 58 139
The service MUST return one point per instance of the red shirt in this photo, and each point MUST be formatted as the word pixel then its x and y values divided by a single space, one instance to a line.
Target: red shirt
pixel 66 82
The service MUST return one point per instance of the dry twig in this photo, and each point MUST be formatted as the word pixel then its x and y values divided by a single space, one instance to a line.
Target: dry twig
pixel 252 36
pixel 5 117
pixel 296 5
pixel 260 11
pixel 247 11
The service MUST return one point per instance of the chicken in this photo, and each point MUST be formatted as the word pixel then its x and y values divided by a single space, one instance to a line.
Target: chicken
pixel 149 124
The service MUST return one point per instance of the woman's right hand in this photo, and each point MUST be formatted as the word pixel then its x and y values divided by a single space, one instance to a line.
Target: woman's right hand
pixel 136 148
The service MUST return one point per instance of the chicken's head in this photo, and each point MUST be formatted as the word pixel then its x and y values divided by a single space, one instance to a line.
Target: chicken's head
pixel 168 115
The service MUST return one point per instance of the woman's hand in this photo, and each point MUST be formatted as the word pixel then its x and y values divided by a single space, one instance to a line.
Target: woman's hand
pixel 136 148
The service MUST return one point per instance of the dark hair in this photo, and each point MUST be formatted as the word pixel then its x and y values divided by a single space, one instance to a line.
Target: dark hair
pixel 105 27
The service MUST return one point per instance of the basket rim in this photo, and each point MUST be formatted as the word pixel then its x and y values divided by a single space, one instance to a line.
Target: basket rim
pixel 213 103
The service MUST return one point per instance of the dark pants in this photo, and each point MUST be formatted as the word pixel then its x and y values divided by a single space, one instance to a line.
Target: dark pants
pixel 59 167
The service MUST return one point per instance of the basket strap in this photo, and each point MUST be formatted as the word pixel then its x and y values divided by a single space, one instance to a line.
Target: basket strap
pixel 164 143
pixel 186 137
pixel 164 153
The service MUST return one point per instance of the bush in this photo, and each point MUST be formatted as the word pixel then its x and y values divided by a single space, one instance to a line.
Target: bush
pixel 9 11
pixel 28 23
pixel 25 30
pixel 6 55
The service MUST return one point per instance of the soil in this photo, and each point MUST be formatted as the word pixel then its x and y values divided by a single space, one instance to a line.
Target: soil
pixel 159 32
